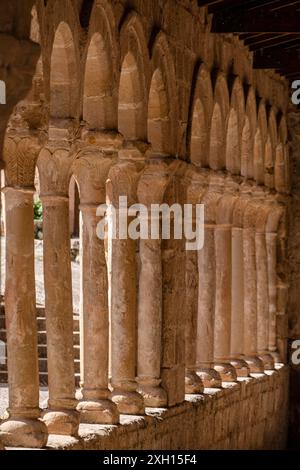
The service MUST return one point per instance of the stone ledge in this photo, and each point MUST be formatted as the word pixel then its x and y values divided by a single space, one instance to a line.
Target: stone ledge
pixel 250 414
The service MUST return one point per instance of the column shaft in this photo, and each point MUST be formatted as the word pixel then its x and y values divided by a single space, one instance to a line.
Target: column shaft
pixel 206 311
pixel 271 239
pixel 193 383
pixel 61 417
pixel 250 301
pixel 22 427
pixel 95 406
pixel 222 331
pixel 237 289
pixel 150 323
pixel 124 326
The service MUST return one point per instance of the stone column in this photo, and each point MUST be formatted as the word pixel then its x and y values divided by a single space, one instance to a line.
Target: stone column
pixel 61 416
pixel 193 382
pixel 262 301
pixel 222 331
pixel 95 406
pixel 195 186
pixel 250 293
pixel 237 292
pixel 90 171
pixel 150 324
pixel 122 181
pixel 22 427
pixel 151 188
pixel 206 311
pixel 271 241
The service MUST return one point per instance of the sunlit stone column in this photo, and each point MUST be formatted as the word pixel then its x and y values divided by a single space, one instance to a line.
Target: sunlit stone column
pixel 196 184
pixel 206 311
pixel 250 292
pixel 262 281
pixel 272 254
pixel 122 181
pixel 223 303
pixel 151 189
pixel 237 291
pixel 60 416
pixel 22 426
pixel 90 171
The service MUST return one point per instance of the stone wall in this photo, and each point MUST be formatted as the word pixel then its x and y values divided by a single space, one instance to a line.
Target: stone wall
pixel 248 415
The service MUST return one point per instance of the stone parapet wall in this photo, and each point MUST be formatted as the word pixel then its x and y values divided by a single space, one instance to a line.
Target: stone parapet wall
pixel 249 415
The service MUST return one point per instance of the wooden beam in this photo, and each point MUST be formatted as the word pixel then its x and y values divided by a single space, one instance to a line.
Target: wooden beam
pixel 287 62
pixel 246 22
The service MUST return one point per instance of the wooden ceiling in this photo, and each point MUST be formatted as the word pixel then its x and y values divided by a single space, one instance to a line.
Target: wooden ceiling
pixel 270 28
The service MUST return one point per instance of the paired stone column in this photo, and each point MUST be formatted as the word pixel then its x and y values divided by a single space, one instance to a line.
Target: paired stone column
pixel 151 187
pixel 250 292
pixel 122 181
pixel 90 171
pixel 237 291
pixel 60 416
pixel 196 184
pixel 22 426
pixel 271 241
pixel 272 254
pixel 222 332
pixel 262 280
pixel 206 311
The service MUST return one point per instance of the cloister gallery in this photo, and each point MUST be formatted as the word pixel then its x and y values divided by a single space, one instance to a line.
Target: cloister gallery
pixel 178 349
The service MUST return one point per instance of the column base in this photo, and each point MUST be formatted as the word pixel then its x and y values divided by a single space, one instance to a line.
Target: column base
pixel 153 394
pixel 255 364
pixel 62 422
pixel 268 361
pixel 226 371
pixel 23 432
pixel 128 403
pixel 276 357
pixel 193 383
pixel 98 412
pixel 210 378
pixel 241 367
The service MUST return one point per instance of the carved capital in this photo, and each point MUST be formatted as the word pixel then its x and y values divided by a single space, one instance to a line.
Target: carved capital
pixel 212 197
pixel 90 169
pixel 20 156
pixel 196 184
pixel 54 166
pixel 154 181
pixel 122 181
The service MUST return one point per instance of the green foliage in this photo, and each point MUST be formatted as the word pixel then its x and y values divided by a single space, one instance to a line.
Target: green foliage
pixel 38 210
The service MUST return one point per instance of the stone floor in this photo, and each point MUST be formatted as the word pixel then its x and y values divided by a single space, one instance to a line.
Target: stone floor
pixel 40 294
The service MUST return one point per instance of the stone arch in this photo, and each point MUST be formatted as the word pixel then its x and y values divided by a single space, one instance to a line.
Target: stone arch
pixel 200 118
pixel 260 140
pixel 63 74
pixel 101 70
pixel 134 80
pixel 282 131
pixel 247 150
pixel 162 108
pixel 258 158
pixel 270 150
pixel 233 157
pixel 234 129
pixel 217 156
pixel 280 169
pixel 248 135
pixel 98 95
